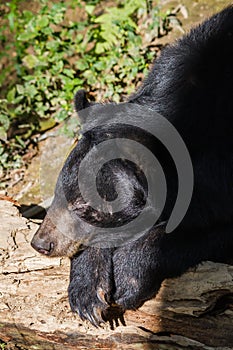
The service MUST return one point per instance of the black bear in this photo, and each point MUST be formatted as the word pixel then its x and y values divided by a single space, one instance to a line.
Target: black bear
pixel 191 85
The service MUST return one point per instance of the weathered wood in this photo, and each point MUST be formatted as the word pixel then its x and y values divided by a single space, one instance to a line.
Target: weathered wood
pixel 188 312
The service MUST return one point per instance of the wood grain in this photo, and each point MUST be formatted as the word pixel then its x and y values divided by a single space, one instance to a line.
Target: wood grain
pixel 194 311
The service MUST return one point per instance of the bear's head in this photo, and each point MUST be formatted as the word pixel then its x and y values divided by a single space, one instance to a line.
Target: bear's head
pixel 99 191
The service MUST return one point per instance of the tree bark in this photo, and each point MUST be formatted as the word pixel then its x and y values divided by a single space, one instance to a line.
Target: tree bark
pixel 194 311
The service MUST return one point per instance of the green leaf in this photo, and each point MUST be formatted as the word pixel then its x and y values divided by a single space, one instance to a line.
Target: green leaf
pixel 28 77
pixel 100 48
pixel 52 45
pixel 46 124
pixel 42 21
pixel 20 141
pixel 3 134
pixel 27 35
pixel 69 72
pixel 58 67
pixel 30 61
pixel 81 64
pixel 11 95
pixel 58 18
pixel 61 115
pixel 20 89
pixel 100 65
pixel 4 121
pixel 18 99
pixel 89 9
pixel 11 19
pixel 30 90
pixel 19 110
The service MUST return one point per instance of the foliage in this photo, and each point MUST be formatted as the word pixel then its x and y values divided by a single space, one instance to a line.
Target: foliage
pixel 53 56
pixel 2 345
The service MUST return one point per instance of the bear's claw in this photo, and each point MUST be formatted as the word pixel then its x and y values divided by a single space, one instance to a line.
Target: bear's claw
pixel 91 284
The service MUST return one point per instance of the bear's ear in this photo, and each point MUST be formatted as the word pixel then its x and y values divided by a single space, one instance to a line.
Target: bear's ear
pixel 81 101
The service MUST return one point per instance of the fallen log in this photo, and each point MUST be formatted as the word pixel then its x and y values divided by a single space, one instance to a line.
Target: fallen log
pixel 194 311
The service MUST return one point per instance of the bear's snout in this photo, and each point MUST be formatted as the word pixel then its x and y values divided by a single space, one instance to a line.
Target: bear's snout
pixel 57 235
pixel 42 245
pixel 44 240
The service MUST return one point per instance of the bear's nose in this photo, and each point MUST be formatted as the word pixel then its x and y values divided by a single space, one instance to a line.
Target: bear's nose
pixel 42 246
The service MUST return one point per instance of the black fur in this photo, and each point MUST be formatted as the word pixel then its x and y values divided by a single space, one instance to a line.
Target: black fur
pixel 191 84
pixel 91 279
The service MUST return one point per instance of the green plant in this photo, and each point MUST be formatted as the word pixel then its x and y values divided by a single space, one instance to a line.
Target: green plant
pixel 2 346
pixel 54 56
